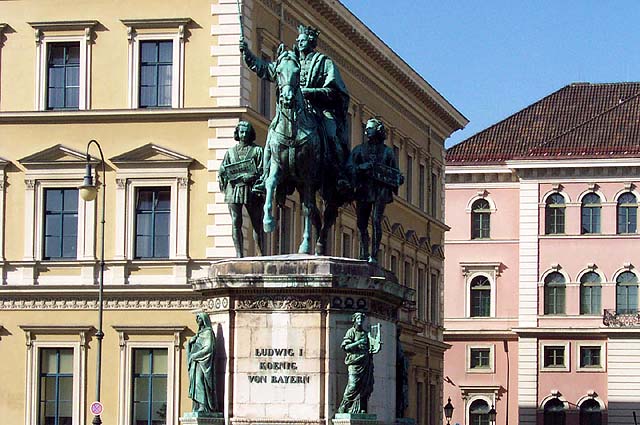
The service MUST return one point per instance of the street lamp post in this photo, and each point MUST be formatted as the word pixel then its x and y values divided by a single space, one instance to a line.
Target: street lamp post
pixel 492 415
pixel 448 411
pixel 88 192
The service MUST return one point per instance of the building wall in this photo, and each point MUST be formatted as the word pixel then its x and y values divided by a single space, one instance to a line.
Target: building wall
pixel 570 253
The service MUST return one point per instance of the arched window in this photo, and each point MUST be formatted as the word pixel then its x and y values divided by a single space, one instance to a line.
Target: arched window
pixel 591 213
pixel 480 219
pixel 627 213
pixel 479 413
pixel 480 297
pixel 626 293
pixel 554 290
pixel 590 413
pixel 554 214
pixel 554 413
pixel 590 293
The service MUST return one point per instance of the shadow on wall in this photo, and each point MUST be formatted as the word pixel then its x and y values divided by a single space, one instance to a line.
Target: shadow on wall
pixel 220 366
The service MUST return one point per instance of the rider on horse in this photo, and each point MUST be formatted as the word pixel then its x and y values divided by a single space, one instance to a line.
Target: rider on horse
pixel 326 95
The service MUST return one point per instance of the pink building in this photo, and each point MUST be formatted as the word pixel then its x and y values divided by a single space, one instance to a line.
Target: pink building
pixel 543 263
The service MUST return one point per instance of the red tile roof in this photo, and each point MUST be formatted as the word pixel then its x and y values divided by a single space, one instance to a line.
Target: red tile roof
pixel 580 120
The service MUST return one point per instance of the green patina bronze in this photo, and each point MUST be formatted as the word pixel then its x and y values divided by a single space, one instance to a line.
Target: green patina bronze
pixel 360 346
pixel 377 177
pixel 200 365
pixel 239 172
pixel 307 143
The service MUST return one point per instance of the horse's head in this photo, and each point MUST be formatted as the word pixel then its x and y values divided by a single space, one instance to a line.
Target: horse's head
pixel 288 79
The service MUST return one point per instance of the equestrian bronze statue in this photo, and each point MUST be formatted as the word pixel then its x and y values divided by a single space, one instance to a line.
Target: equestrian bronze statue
pixel 307 142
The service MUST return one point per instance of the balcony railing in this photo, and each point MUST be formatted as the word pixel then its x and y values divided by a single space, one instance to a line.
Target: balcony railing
pixel 614 319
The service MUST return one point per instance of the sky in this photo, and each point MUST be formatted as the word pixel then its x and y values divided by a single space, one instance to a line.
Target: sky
pixel 492 58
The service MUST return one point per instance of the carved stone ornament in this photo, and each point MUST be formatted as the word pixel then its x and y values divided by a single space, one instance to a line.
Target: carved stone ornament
pixel 57 303
pixel 279 303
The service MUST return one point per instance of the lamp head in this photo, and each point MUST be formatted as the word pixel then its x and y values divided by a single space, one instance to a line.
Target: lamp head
pixel 88 190
pixel 492 414
pixel 448 409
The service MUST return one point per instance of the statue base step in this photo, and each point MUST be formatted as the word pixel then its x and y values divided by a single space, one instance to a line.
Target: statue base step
pixel 354 419
pixel 197 418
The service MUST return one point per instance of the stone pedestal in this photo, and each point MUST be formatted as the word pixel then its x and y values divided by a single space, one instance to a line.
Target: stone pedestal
pixel 354 419
pixel 279 322
pixel 194 418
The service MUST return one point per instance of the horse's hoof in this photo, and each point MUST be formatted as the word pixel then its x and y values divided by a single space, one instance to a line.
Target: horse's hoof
pixel 269 225
pixel 304 248
pixel 373 260
pixel 319 249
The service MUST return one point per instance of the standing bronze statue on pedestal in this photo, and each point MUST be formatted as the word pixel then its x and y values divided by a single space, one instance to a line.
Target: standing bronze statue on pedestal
pixel 377 178
pixel 201 350
pixel 238 174
pixel 360 346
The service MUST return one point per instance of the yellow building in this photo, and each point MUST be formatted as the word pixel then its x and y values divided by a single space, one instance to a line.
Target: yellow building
pixel 160 86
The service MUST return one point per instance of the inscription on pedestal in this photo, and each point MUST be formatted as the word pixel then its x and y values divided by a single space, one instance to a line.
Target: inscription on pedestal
pixel 276 365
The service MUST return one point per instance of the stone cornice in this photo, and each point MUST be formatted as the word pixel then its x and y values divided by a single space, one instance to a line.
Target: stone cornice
pixel 63 25
pixel 156 23
pixel 121 115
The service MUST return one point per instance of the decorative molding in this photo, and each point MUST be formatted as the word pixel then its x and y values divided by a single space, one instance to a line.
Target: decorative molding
pixel 30 331
pixel 280 303
pixel 470 267
pixel 121 183
pixel 29 184
pixel 216 304
pixel 183 182
pixel 60 303
pixel 613 319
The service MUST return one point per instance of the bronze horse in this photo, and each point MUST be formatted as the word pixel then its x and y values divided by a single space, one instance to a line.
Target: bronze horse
pixel 298 159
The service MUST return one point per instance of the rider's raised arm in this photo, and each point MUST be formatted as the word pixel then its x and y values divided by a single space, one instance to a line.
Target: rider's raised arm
pixel 264 69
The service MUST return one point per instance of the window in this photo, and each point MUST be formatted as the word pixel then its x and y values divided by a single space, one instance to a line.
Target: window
pixel 63 75
pixel 156 62
pixel 149 386
pixel 409 180
pixel 627 213
pixel 479 412
pixel 408 275
pixel 63 63
pixel 55 406
pixel 590 357
pixel 421 186
pixel 554 356
pixel 480 358
pixel 554 214
pixel 423 296
pixel 591 213
pixel 480 219
pixel 433 405
pixel 554 293
pixel 60 224
pixel 590 293
pixel 480 297
pixel 626 293
pixel 590 413
pixel 554 412
pixel 394 264
pixel 434 194
pixel 434 304
pixel 346 245
pixel 153 210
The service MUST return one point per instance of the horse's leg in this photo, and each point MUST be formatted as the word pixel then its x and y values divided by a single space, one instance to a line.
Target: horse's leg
pixel 271 184
pixel 311 217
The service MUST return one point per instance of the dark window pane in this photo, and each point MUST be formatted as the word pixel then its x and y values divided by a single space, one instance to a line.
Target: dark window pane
pixel 143 247
pixel 143 223
pixel 148 51
pixel 166 51
pixel 161 247
pixel 148 75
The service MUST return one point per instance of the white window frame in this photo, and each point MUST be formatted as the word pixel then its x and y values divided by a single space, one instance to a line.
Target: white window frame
pixel 63 339
pixel 131 337
pixel 491 368
pixel 492 283
pixel 3 164
pixel 36 183
pixel 488 398
pixel 159 30
pixel 45 34
pixel 567 356
pixel 603 356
